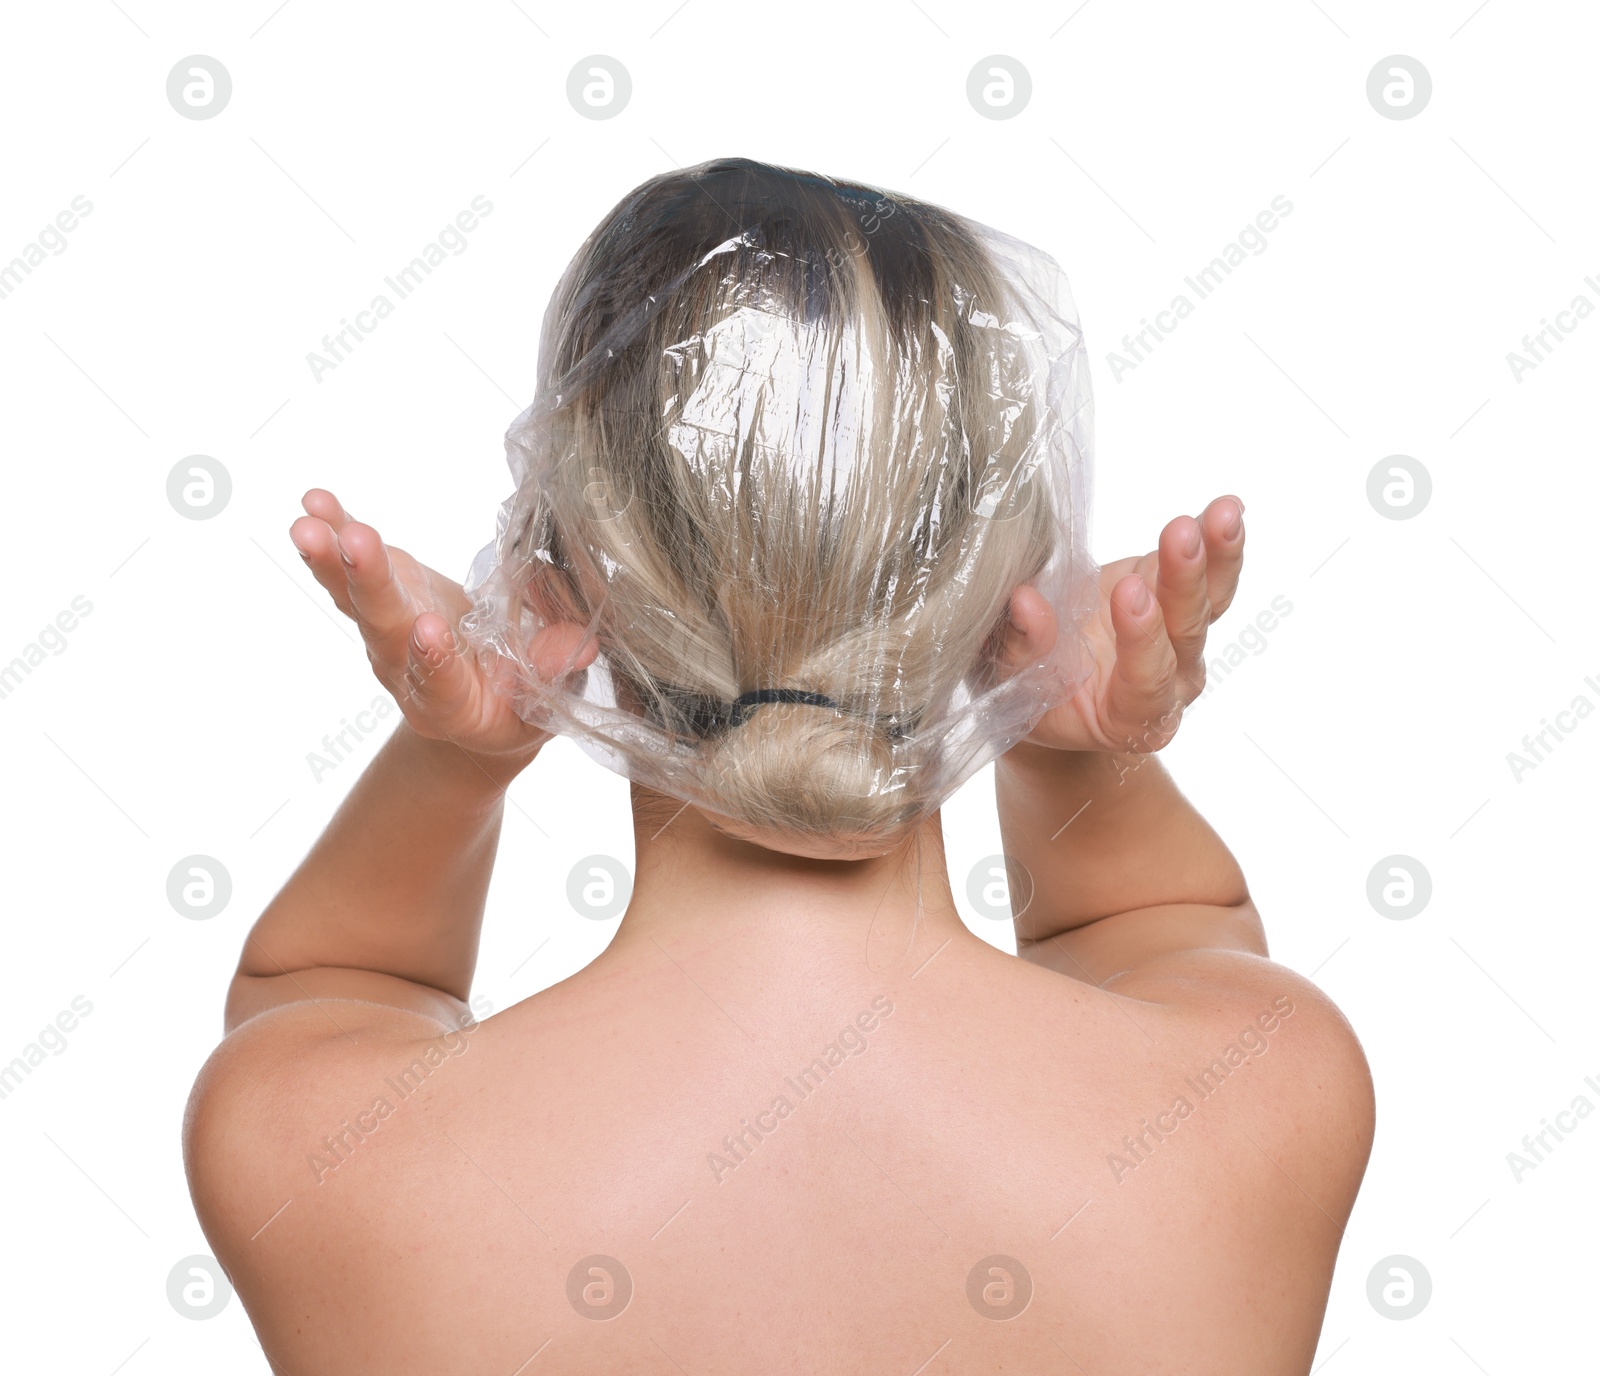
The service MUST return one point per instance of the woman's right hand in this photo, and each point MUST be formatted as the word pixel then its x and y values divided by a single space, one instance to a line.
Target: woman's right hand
pixel 1148 639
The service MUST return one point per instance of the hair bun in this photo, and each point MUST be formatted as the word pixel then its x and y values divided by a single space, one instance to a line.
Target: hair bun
pixel 795 769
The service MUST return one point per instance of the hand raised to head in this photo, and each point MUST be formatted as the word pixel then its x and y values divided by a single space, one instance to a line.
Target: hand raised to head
pixel 408 616
pixel 1148 639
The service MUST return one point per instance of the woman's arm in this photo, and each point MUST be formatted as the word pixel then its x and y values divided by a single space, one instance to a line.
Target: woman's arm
pixel 1122 867
pixel 386 908
pixel 393 888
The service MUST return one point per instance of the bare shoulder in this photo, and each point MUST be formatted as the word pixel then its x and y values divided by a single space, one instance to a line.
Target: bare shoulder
pixel 276 1086
pixel 1312 1110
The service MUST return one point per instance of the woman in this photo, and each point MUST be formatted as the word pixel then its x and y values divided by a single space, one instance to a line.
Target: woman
pixel 796 1117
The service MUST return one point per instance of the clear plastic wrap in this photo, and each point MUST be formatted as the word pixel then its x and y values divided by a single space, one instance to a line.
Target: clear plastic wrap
pixel 794 443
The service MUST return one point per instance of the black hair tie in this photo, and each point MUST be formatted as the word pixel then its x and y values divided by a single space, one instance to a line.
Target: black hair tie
pixel 756 696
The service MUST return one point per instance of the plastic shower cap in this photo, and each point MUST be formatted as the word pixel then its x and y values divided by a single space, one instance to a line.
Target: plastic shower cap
pixel 794 443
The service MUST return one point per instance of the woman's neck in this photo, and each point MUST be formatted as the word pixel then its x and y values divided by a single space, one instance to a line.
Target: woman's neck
pixel 694 883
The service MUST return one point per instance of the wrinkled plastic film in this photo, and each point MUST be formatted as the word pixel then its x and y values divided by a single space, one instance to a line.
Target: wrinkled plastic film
pixel 793 434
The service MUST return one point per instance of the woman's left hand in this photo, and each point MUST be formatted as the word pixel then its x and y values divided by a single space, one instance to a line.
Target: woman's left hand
pixel 408 616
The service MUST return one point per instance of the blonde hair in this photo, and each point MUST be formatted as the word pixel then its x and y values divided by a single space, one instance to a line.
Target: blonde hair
pixel 792 436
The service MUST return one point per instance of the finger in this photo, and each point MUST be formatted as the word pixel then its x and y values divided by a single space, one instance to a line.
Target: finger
pixel 1181 590
pixel 437 679
pixel 321 503
pixel 559 651
pixel 1222 523
pixel 379 604
pixel 1142 695
pixel 1029 631
pixel 319 547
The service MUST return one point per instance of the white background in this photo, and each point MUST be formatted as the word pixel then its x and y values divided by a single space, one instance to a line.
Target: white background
pixel 1376 720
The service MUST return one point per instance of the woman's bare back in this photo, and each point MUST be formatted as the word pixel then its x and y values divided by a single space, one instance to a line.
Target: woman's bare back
pixel 796 1118
pixel 722 1156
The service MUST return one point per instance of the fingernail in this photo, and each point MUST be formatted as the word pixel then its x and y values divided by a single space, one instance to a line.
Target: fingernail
pixel 1141 599
pixel 349 563
pixel 1190 544
pixel 1232 524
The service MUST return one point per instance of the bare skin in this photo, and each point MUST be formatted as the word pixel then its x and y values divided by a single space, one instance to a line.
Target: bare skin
pixel 1158 1132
